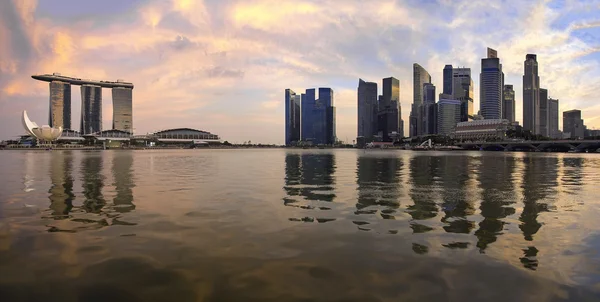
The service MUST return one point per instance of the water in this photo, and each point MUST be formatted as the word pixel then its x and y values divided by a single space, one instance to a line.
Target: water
pixel 310 225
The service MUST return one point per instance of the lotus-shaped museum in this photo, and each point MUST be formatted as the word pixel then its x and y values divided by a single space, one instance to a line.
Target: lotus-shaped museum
pixel 44 133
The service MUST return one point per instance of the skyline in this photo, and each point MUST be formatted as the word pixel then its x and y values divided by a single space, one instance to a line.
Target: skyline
pixel 222 66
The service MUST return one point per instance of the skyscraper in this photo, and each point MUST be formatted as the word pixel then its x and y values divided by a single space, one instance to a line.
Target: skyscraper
pixel 448 75
pixel 91 109
pixel 428 110
pixel 543 117
pixel 60 105
pixel 553 118
pixel 491 86
pixel 318 116
pixel 367 110
pixel 389 114
pixel 122 109
pixel 462 87
pixel 531 95
pixel 292 117
pixel 420 77
pixel 448 114
pixel 508 105
pixel 573 124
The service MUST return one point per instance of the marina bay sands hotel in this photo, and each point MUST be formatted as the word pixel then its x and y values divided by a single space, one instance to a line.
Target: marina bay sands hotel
pixel 91 103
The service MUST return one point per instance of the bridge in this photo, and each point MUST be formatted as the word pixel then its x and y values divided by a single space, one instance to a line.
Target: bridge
pixel 556 145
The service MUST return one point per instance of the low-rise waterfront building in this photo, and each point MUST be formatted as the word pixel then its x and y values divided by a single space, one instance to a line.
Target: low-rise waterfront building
pixel 481 130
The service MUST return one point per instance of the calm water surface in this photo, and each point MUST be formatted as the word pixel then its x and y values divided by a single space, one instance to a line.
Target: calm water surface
pixel 284 225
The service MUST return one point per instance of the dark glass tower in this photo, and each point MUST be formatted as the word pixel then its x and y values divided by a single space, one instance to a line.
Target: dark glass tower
pixel 429 110
pixel 122 109
pixel 508 105
pixel 367 110
pixel 60 105
pixel 462 90
pixel 420 77
pixel 91 109
pixel 531 95
pixel 388 117
pixel 292 117
pixel 553 118
pixel 447 89
pixel 543 117
pixel 318 117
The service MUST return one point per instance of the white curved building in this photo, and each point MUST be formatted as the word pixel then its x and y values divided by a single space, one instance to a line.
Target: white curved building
pixel 44 133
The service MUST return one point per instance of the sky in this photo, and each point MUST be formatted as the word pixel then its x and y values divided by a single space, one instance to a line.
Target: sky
pixel 223 65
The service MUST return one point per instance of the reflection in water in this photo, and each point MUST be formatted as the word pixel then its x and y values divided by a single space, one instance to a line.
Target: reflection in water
pixel 497 197
pixel 61 189
pixel 378 180
pixel 423 172
pixel 123 181
pixel 456 207
pixel 93 182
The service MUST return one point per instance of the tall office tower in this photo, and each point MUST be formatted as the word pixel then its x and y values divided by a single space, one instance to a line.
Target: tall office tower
pixel 531 95
pixel 389 114
pixel 573 124
pixel 429 110
pixel 491 86
pixel 420 77
pixel 448 75
pixel 60 105
pixel 367 110
pixel 508 105
pixel 553 118
pixel 318 117
pixel 91 109
pixel 462 87
pixel 448 114
pixel 122 109
pixel 292 117
pixel 543 117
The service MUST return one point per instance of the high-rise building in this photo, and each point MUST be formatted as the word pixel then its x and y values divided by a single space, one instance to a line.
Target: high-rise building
pixel 462 87
pixel 508 105
pixel 60 105
pixel 543 117
pixel 491 86
pixel 553 118
pixel 573 124
pixel 531 95
pixel 292 117
pixel 428 110
pixel 448 114
pixel 389 114
pixel 420 77
pixel 367 110
pixel 91 109
pixel 122 109
pixel 318 117
pixel 448 76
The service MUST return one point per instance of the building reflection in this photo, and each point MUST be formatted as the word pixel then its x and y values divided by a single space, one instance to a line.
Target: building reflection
pixel 378 180
pixel 309 176
pixel 122 174
pixel 573 166
pixel 61 189
pixel 497 197
pixel 93 182
pixel 456 207
pixel 539 187
pixel 423 172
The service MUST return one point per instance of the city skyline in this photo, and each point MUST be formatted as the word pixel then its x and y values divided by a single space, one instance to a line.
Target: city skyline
pixel 190 72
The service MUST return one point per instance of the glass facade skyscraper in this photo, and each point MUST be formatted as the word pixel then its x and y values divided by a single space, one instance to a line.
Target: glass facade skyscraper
pixel 491 86
pixel 448 75
pixel 462 90
pixel 508 105
pixel 448 114
pixel 543 127
pixel 573 124
pixel 553 118
pixel 420 77
pixel 91 109
pixel 531 95
pixel 318 117
pixel 292 117
pixel 388 117
pixel 122 109
pixel 60 105
pixel 367 110
pixel 428 110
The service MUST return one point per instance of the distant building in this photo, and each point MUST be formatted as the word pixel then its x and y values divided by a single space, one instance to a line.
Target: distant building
pixel 367 110
pixel 491 86
pixel 60 105
pixel 429 110
pixel 448 77
pixel 448 114
pixel 292 117
pixel 318 117
pixel 531 95
pixel 482 130
pixel 573 124
pixel 91 109
pixel 420 77
pixel 543 117
pixel 462 87
pixel 122 109
pixel 508 105
pixel 389 115
pixel 553 118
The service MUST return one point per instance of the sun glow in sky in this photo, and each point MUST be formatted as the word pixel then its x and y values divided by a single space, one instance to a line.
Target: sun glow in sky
pixel 222 66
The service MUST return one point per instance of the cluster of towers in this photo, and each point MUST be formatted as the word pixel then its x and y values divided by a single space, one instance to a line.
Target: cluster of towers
pixel 310 119
pixel 91 103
